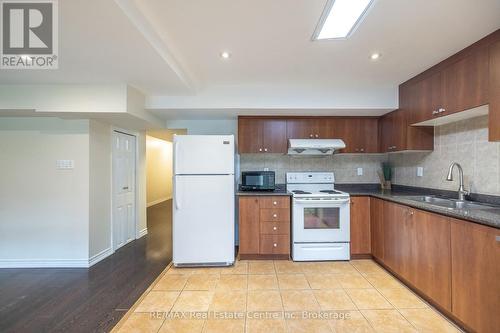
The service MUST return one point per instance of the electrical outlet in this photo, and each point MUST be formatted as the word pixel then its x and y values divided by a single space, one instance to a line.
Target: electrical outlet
pixel 360 171
pixel 420 171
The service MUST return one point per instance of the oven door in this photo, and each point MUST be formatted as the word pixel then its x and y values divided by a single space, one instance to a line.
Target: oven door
pixel 321 220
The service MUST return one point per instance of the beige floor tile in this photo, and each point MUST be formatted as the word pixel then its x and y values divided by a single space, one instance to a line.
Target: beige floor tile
pixel 262 282
pixel 323 281
pixel 287 267
pixel 224 325
pixel 140 323
pixel 181 271
pixel 232 282
pixel 384 282
pixel 308 326
pixel 171 282
pixel 336 299
pixel 402 298
pixel 292 281
pixel 350 322
pixel 368 299
pixel 299 300
pixel 239 267
pixel 367 267
pixel 231 301
pixel 182 326
pixel 157 301
pixel 264 300
pixel 388 321
pixel 261 267
pixel 312 268
pixel 428 320
pixel 352 281
pixel 341 267
pixel 265 325
pixel 192 301
pixel 202 282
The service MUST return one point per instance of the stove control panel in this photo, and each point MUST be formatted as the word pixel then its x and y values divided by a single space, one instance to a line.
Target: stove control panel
pixel 310 178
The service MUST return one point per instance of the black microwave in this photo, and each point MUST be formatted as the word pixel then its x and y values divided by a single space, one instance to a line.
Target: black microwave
pixel 257 181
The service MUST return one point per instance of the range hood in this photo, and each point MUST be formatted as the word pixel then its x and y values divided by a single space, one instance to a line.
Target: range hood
pixel 318 147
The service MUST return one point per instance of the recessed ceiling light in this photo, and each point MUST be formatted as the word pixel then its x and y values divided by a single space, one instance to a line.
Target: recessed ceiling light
pixel 375 56
pixel 340 18
pixel 225 55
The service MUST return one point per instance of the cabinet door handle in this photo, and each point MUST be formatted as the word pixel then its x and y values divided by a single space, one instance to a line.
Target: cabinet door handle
pixel 275 245
pixel 435 112
pixel 310 135
pixel 441 110
pixel 275 215
pixel 274 228
pixel 317 135
pixel 362 150
pixel 260 149
pixel 265 149
pixel 275 203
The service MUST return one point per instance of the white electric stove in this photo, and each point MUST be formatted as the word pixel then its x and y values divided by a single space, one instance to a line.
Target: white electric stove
pixel 320 217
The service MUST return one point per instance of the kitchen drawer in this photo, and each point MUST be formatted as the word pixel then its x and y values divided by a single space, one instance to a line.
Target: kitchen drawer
pixel 275 202
pixel 275 228
pixel 274 244
pixel 274 215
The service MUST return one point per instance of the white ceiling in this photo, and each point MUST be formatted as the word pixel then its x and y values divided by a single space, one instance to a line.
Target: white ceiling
pixel 170 50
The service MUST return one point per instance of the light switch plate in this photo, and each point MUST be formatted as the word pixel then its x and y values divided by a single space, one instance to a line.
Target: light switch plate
pixel 65 164
pixel 420 171
pixel 360 171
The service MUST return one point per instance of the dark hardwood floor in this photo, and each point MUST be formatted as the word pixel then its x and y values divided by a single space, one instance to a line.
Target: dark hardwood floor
pixel 87 300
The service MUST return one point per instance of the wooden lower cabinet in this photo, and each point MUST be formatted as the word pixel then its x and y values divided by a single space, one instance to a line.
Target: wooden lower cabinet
pixel 377 227
pixel 360 226
pixel 264 227
pixel 475 262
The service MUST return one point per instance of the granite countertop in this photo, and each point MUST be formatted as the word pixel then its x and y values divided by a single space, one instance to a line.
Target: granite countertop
pixel 279 190
pixel 485 217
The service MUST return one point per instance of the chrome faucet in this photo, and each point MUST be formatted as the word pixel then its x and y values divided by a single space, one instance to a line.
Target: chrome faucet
pixel 461 190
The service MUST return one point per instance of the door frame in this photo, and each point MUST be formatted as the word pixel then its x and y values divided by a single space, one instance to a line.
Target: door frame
pixel 136 176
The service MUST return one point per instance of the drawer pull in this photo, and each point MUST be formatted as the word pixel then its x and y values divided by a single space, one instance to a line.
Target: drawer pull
pixel 275 215
pixel 274 228
pixel 275 245
pixel 275 203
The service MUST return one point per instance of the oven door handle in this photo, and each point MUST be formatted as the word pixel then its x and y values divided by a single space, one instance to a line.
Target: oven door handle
pixel 329 202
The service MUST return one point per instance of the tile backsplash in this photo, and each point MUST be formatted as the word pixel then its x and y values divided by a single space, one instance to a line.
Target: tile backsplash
pixel 465 142
pixel 344 165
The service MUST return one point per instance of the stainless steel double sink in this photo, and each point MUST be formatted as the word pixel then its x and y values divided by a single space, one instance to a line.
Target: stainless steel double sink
pixel 449 203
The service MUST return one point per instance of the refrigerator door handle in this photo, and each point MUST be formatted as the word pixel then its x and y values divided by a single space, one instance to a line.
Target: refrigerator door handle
pixel 176 198
pixel 176 153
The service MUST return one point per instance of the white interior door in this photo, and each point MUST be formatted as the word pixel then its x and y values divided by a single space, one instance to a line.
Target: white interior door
pixel 124 226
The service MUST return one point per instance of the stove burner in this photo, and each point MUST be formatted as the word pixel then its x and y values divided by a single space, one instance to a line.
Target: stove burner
pixel 301 192
pixel 331 192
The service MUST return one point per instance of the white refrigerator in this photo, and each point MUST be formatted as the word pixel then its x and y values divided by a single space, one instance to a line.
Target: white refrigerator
pixel 203 205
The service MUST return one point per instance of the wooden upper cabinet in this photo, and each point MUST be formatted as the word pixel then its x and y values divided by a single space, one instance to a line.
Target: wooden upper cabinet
pixel 262 135
pixel 465 83
pixel 360 225
pixel 393 129
pixel 303 129
pixel 475 253
pixel 494 92
pixel 424 98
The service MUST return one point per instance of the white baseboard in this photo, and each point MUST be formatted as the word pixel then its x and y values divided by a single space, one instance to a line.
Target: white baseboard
pixel 44 263
pixel 100 256
pixel 152 203
pixel 142 233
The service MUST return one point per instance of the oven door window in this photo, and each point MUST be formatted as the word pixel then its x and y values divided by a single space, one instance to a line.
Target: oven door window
pixel 322 218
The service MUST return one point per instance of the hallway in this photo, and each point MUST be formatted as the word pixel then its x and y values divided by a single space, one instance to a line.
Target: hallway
pixel 87 300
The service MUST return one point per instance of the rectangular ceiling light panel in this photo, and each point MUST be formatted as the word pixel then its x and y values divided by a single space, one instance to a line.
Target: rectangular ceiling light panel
pixel 340 18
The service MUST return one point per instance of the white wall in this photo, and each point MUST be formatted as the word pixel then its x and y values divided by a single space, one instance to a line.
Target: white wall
pixel 159 170
pixel 100 189
pixel 207 126
pixel 44 212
